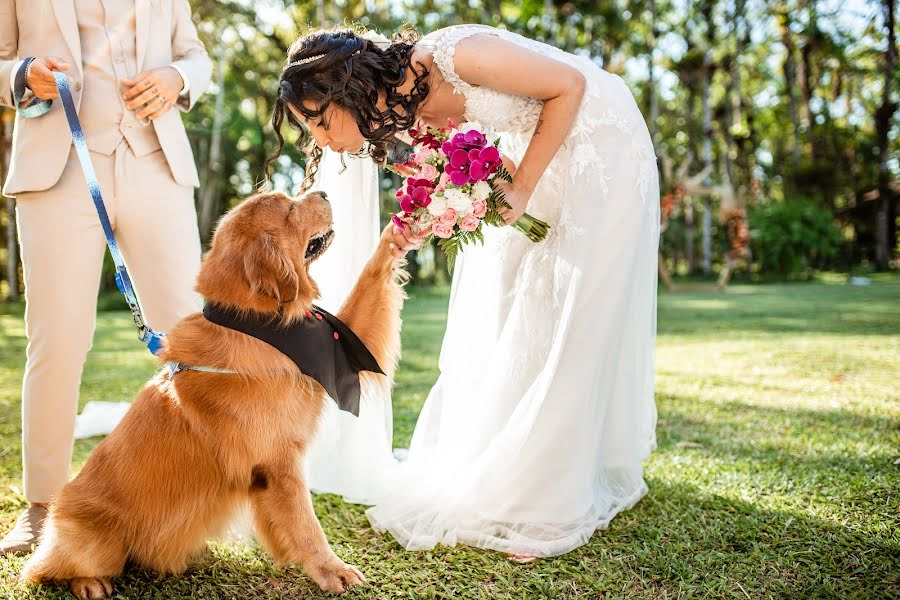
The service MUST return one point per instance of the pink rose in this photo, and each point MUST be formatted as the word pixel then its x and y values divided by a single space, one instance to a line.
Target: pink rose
pixel 428 172
pixel 422 155
pixel 479 208
pixel 445 179
pixel 442 230
pixel 469 223
pixel 449 217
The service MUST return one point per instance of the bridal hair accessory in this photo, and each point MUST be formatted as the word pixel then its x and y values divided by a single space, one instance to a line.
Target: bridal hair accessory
pixel 376 38
pixel 371 35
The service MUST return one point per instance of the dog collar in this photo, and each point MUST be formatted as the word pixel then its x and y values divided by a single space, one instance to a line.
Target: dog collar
pixel 320 344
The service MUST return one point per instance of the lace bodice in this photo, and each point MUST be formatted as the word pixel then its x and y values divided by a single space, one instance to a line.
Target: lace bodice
pixel 608 126
pixel 498 111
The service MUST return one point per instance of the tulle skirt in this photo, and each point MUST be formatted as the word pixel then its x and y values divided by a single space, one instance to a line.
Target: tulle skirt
pixel 534 435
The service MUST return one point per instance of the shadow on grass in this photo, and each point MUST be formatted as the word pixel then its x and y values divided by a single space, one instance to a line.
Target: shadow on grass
pixel 680 538
pixel 678 541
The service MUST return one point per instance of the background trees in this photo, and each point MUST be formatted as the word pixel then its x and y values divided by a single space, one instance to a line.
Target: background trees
pixel 791 101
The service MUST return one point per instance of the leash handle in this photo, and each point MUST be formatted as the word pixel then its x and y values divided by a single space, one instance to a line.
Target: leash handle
pixel 153 339
pixel 36 107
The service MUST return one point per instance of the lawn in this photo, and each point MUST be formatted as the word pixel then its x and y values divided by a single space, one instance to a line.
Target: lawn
pixel 777 473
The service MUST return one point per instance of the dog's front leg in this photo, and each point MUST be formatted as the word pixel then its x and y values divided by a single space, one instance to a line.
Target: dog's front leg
pixel 372 310
pixel 287 525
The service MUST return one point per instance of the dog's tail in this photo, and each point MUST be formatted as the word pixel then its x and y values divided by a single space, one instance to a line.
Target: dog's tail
pixel 372 310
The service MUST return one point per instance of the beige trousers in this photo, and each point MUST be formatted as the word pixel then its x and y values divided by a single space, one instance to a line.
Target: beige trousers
pixel 63 247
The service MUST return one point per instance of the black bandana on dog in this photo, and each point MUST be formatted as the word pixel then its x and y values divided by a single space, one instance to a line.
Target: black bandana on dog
pixel 320 345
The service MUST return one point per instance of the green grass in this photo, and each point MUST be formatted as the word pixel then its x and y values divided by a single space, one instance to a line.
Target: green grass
pixel 776 476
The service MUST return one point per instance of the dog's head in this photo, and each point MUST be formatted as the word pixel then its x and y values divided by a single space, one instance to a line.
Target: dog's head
pixel 261 253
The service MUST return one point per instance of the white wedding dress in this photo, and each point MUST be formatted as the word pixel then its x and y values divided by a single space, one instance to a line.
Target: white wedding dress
pixel 534 434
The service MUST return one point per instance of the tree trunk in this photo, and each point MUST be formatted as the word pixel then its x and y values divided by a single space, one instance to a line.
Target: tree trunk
pixel 790 78
pixel 809 76
pixel 12 251
pixel 209 194
pixel 651 79
pixel 690 234
pixel 708 70
pixel 884 225
pixel 12 244
pixel 735 105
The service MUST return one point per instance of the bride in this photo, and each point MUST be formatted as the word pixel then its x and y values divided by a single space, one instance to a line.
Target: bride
pixel 534 435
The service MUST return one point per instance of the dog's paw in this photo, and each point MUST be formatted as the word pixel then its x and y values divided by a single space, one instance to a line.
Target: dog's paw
pixel 335 576
pixel 91 588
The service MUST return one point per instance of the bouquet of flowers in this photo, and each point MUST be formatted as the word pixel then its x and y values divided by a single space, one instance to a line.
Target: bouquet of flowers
pixel 448 188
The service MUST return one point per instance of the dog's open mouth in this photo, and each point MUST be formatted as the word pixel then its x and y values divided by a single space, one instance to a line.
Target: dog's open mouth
pixel 318 245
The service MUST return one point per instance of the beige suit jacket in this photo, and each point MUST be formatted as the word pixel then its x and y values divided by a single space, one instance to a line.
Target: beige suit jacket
pixel 165 35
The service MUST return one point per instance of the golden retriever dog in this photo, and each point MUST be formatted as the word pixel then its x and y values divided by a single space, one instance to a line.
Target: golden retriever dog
pixel 195 447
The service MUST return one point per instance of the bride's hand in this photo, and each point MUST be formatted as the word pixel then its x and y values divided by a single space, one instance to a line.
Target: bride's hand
pixel 516 197
pixel 404 239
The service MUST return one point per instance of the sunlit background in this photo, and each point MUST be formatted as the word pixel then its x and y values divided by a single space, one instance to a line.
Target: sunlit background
pixel 778 97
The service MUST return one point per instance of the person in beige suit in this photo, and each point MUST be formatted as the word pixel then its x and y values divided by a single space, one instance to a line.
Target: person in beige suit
pixel 129 62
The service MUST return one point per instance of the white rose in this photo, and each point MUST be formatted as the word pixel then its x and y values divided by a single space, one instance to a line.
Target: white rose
pixel 489 135
pixel 459 201
pixel 481 190
pixel 469 125
pixel 438 205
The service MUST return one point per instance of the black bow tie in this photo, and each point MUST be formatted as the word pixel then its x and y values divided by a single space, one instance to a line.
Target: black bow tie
pixel 320 345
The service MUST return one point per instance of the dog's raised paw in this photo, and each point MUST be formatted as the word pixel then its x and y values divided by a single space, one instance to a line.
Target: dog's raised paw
pixel 91 588
pixel 336 576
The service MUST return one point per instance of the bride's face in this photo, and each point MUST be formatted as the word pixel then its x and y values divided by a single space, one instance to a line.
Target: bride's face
pixel 336 129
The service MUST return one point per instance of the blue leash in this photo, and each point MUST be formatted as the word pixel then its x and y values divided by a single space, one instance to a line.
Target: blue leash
pixel 153 339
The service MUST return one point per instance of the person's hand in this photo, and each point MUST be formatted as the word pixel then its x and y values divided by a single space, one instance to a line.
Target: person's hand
pixel 40 76
pixel 403 240
pixel 516 197
pixel 153 93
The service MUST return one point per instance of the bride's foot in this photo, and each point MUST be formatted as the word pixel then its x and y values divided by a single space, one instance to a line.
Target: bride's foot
pixel 522 559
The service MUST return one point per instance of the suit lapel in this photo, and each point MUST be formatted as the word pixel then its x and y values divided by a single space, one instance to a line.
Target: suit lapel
pixel 68 25
pixel 142 30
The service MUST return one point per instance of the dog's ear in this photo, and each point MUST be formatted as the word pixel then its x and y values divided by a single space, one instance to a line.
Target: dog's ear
pixel 269 270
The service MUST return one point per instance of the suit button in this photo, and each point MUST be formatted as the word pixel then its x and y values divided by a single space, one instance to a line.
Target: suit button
pixel 77 86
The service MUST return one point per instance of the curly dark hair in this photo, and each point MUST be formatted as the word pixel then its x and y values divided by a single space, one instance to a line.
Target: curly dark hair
pixel 354 73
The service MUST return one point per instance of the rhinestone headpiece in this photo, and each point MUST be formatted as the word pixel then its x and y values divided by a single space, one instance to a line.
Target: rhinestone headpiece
pixel 309 59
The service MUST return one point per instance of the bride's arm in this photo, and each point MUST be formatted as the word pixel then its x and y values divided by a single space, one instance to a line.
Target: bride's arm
pixel 489 61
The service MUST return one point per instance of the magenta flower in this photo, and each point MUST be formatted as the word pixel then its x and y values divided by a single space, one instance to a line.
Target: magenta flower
pixel 420 196
pixel 490 154
pixel 398 222
pixel 415 194
pixel 458 177
pixel 476 138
